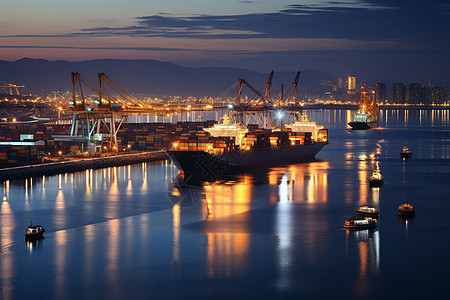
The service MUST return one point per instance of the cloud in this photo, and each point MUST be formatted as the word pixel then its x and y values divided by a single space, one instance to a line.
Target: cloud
pixel 373 23
pixel 355 20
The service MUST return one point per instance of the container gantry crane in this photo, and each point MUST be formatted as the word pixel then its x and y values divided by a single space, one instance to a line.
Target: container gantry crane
pixel 11 87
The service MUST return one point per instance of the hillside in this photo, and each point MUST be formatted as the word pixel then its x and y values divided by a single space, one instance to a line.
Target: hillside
pixel 149 77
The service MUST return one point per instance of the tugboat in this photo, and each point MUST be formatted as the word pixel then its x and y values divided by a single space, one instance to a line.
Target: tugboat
pixel 366 117
pixel 34 232
pixel 406 152
pixel 376 180
pixel 356 223
pixel 365 211
pixel 406 211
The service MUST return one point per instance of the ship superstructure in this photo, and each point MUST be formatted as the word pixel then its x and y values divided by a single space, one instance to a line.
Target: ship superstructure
pixel 306 125
pixel 229 130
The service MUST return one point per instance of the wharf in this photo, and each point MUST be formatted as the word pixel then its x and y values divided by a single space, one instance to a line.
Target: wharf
pixel 61 167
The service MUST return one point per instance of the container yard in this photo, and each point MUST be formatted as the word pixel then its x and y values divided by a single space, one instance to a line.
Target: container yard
pixel 25 144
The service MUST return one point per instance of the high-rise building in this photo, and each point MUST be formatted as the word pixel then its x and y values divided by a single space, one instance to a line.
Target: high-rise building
pixel 399 93
pixel 439 95
pixel 351 81
pixel 341 83
pixel 380 92
pixel 416 93
pixel 434 95
pixel 429 94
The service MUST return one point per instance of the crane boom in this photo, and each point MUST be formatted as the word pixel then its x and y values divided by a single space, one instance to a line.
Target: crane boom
pixel 258 93
pixel 11 87
pixel 293 90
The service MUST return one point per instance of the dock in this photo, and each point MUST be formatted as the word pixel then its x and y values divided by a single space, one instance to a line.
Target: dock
pixel 70 166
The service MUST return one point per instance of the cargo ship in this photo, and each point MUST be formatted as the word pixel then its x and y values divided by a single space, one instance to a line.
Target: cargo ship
pixel 229 147
pixel 366 117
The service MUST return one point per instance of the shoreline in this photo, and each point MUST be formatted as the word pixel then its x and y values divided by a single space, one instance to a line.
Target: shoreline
pixel 380 106
pixel 61 167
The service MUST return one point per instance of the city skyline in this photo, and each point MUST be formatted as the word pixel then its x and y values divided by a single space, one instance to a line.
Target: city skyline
pixel 377 40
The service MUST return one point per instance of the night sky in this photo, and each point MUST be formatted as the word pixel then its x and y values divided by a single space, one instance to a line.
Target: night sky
pixel 374 39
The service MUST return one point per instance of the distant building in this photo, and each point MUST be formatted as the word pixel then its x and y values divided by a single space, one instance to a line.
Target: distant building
pixel 439 95
pixel 399 93
pixel 416 93
pixel 351 83
pixel 434 95
pixel 341 83
pixel 380 92
pixel 429 94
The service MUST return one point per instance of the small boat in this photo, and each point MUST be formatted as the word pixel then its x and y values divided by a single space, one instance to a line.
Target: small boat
pixel 406 152
pixel 356 223
pixel 34 232
pixel 365 211
pixel 406 211
pixel 376 180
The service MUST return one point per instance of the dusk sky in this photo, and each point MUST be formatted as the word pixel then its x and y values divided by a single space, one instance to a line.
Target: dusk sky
pixel 373 39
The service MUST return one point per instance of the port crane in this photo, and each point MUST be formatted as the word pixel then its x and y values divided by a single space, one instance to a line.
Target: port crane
pixel 11 87
pixel 260 104
pixel 292 99
pixel 106 105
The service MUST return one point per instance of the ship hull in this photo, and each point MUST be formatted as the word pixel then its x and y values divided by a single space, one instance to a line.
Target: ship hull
pixel 212 167
pixel 357 125
pixel 405 155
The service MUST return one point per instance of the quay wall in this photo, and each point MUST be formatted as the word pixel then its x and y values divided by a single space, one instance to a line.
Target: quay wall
pixel 61 167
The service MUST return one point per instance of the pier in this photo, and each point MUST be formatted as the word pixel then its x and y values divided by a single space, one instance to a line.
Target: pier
pixel 70 166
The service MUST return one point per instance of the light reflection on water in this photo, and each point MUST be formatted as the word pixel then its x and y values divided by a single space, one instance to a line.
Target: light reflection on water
pixel 7 224
pixel 283 225
pixel 367 243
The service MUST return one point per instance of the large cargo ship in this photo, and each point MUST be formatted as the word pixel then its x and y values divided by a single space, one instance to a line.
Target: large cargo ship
pixel 229 147
pixel 366 117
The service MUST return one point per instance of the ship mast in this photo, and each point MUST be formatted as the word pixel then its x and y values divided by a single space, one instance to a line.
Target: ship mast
pixel 363 103
pixel 374 107
pixel 368 106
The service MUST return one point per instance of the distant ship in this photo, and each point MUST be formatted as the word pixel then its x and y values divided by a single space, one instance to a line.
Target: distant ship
pixel 357 223
pixel 405 152
pixel 366 117
pixel 229 146
pixel 22 119
pixel 406 211
pixel 376 180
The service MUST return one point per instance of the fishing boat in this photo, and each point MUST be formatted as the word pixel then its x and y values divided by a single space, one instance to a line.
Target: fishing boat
pixel 34 232
pixel 366 117
pixel 406 152
pixel 366 211
pixel 356 223
pixel 376 180
pixel 406 211
pixel 231 146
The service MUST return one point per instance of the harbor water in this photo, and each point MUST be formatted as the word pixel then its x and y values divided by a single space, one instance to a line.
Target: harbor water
pixel 142 232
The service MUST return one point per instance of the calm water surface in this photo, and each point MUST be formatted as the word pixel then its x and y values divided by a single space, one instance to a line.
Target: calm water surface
pixel 138 232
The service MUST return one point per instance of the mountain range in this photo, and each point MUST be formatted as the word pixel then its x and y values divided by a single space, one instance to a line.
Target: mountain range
pixel 149 77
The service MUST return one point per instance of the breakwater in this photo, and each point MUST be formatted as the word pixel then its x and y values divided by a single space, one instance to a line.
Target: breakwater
pixel 61 167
